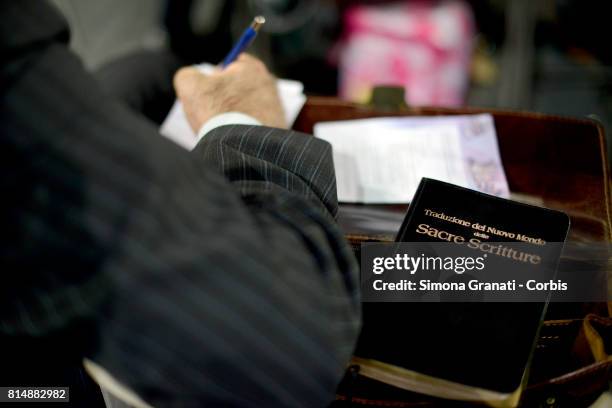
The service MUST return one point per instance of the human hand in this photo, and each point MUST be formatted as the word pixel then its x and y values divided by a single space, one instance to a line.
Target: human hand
pixel 244 86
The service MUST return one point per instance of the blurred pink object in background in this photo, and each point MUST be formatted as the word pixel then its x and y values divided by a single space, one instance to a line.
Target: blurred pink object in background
pixel 424 46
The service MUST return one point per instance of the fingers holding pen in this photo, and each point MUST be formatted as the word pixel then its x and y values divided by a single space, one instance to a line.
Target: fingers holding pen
pixel 244 86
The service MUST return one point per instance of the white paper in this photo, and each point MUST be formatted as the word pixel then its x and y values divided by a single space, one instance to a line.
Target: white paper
pixel 176 128
pixel 382 160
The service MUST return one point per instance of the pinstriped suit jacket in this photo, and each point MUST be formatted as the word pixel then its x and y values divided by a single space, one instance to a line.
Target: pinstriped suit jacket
pixel 216 277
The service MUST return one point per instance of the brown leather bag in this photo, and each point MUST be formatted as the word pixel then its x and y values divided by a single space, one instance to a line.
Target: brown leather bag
pixel 562 163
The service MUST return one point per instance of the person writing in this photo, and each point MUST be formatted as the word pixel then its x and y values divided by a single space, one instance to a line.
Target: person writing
pixel 211 277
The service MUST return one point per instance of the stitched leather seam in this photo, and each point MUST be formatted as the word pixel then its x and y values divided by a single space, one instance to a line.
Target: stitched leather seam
pixel 600 320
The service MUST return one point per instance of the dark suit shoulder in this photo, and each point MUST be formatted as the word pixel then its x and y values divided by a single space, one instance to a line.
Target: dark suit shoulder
pixel 28 23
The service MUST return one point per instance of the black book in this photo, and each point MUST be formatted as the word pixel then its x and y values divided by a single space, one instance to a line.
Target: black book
pixel 471 351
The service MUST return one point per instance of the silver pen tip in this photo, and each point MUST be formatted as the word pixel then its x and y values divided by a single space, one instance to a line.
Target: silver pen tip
pixel 258 21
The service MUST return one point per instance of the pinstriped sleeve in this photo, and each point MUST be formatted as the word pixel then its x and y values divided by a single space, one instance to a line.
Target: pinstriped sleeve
pixel 259 158
pixel 265 290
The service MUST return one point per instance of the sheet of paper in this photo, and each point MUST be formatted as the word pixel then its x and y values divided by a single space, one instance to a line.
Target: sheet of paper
pixel 382 160
pixel 176 128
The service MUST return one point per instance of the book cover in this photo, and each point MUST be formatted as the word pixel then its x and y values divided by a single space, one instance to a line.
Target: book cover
pixel 474 351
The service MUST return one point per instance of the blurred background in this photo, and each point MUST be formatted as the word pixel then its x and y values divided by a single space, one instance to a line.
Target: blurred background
pixel 549 56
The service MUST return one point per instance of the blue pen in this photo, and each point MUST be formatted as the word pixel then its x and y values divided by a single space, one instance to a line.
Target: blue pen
pixel 245 40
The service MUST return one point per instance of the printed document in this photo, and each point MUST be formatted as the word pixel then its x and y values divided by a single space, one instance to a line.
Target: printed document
pixel 382 160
